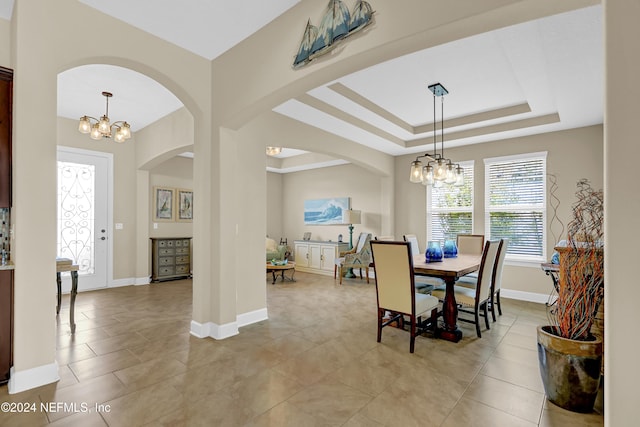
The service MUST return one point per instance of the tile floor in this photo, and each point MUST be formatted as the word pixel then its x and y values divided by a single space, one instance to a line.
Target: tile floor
pixel 315 362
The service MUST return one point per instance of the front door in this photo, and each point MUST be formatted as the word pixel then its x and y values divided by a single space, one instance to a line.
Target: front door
pixel 83 208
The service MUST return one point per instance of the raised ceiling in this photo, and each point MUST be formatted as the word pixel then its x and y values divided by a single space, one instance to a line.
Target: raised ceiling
pixel 540 76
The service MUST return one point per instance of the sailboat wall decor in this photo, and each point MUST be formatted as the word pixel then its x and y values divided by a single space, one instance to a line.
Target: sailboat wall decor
pixel 337 24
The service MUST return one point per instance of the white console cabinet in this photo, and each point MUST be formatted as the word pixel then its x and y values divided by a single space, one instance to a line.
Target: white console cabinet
pixel 314 256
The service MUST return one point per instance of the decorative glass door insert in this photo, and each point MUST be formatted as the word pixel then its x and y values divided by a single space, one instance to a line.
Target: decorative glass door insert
pixel 76 217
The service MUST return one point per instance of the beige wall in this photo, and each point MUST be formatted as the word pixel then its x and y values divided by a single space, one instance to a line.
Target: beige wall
pixel 275 201
pixel 362 186
pixel 176 172
pixel 622 203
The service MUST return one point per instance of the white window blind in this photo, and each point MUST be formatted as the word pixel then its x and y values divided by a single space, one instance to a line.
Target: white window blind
pixel 450 208
pixel 515 204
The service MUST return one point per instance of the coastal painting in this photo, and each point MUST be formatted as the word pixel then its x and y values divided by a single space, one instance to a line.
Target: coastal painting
pixel 325 211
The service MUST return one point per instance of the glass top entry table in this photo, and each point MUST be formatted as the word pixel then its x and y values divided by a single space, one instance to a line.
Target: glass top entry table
pixel 449 270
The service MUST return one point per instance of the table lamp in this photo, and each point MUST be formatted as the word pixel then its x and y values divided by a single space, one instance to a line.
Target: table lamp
pixel 351 217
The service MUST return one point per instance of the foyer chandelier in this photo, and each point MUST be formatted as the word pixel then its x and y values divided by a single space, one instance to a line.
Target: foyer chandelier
pixel 438 169
pixel 274 151
pixel 102 128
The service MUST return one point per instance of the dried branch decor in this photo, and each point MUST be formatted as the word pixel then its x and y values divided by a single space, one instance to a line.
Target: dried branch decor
pixel 581 288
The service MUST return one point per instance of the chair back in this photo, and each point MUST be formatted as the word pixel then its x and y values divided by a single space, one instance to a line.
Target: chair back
pixel 497 272
pixel 413 240
pixel 395 287
pixel 470 244
pixel 485 274
pixel 385 238
pixel 362 241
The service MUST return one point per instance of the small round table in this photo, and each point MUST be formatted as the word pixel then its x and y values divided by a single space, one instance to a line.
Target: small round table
pixel 274 269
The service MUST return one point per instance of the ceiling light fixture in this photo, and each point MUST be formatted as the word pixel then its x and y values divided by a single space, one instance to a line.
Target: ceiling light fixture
pixel 274 151
pixel 438 169
pixel 102 128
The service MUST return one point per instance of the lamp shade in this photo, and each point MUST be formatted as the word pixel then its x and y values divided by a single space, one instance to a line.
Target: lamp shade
pixel 350 216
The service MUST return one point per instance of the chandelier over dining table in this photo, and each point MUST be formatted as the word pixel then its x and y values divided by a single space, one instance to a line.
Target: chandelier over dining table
pixel 103 128
pixel 438 170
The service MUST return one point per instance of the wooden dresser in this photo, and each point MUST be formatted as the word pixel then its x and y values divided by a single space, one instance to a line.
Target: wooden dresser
pixel 170 258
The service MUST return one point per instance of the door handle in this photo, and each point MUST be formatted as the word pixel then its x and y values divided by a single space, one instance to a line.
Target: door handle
pixel 103 238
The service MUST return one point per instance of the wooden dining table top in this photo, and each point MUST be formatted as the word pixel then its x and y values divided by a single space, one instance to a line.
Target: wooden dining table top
pixel 448 267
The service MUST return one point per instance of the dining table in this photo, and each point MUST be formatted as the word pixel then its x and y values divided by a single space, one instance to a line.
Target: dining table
pixel 449 270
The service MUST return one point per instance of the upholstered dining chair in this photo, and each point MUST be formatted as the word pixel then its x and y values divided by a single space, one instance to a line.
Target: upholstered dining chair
pixel 395 290
pixel 473 300
pixel 496 282
pixel 424 284
pixel 359 257
pixel 472 244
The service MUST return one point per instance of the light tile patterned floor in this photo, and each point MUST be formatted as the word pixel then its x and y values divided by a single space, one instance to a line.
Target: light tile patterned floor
pixel 315 362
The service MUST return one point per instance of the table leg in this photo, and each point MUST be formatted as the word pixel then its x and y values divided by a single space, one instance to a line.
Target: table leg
pixel 74 292
pixel 274 277
pixel 59 283
pixel 450 314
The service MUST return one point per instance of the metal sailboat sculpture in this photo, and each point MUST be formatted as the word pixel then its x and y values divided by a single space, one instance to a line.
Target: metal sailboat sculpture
pixel 337 24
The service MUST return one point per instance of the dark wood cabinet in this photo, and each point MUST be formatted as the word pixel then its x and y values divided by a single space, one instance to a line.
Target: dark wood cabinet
pixel 6 324
pixel 6 102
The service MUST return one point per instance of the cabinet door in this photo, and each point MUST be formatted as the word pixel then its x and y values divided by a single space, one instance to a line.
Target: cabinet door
pixel 315 256
pixel 302 255
pixel 328 257
pixel 6 89
pixel 6 323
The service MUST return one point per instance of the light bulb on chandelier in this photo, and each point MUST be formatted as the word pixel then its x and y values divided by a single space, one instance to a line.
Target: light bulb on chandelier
pixel 102 128
pixel 438 169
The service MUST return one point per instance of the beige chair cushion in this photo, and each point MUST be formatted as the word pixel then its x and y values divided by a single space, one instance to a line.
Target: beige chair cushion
pixel 464 296
pixel 425 303
pixel 271 245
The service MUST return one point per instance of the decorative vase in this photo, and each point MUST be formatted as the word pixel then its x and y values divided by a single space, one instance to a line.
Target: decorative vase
pixel 434 252
pixel 450 249
pixel 570 369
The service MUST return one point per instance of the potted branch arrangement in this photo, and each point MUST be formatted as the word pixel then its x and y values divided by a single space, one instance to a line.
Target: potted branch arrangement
pixel 569 355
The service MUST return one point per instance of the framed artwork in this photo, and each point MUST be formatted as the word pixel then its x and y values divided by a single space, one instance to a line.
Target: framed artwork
pixel 184 200
pixel 163 204
pixel 325 211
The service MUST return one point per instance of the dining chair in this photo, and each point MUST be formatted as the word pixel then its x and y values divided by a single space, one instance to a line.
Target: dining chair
pixel 396 292
pixel 424 284
pixel 473 300
pixel 496 282
pixel 358 257
pixel 471 244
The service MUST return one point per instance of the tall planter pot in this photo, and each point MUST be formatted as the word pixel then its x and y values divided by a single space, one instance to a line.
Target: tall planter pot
pixel 570 369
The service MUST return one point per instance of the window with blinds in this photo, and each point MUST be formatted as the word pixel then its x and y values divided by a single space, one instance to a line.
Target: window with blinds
pixel 515 204
pixel 450 208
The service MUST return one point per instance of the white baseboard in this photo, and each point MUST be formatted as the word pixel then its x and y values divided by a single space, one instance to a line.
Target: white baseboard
pixel 524 296
pixel 31 378
pixel 210 329
pixel 256 316
pixel 118 283
pixel 142 281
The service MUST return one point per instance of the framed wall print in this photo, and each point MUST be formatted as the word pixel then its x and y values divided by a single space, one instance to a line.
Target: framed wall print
pixel 163 204
pixel 184 200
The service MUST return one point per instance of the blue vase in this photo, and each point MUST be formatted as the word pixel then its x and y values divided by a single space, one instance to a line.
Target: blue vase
pixel 433 253
pixel 450 249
